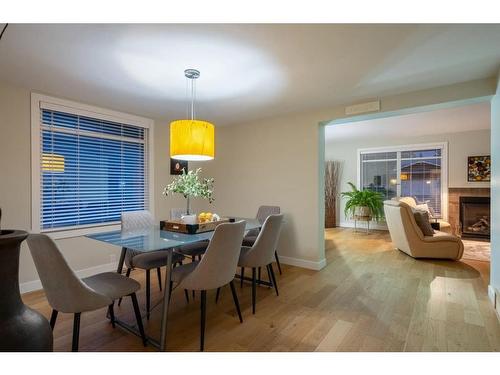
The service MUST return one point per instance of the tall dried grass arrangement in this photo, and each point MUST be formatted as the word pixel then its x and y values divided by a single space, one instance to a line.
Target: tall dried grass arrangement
pixel 333 171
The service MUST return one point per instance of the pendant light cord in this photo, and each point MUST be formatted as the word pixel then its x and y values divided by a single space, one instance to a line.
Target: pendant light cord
pixel 193 95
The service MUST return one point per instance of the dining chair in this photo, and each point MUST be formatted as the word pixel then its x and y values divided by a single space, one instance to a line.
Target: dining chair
pixel 262 214
pixel 67 293
pixel 193 250
pixel 137 220
pixel 261 253
pixel 215 270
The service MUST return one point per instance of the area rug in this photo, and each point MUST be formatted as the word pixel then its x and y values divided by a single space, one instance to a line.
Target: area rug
pixel 476 250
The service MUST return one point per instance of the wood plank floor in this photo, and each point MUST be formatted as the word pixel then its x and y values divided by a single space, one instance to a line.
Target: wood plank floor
pixel 370 297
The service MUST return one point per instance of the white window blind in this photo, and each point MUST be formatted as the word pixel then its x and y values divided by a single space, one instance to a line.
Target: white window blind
pixel 405 171
pixel 91 170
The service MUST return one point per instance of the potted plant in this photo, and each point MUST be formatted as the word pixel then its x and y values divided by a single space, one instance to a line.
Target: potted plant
pixel 190 185
pixel 366 203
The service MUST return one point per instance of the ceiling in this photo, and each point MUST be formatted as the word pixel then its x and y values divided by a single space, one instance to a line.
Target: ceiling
pixel 248 72
pixel 443 121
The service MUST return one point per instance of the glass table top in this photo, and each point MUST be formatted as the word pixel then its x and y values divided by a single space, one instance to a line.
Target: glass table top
pixel 153 239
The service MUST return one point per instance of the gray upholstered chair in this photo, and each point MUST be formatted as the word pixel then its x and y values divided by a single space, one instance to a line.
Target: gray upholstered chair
pixel 193 250
pixel 216 269
pixel 262 252
pixel 136 220
pixel 262 213
pixel 68 294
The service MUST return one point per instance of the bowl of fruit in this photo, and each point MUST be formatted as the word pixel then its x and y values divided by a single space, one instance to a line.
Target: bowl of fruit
pixel 205 217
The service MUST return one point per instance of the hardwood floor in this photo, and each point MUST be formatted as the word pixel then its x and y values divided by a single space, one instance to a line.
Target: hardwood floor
pixel 370 297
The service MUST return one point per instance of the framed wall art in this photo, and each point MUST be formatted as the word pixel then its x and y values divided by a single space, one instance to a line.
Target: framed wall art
pixel 176 166
pixel 479 168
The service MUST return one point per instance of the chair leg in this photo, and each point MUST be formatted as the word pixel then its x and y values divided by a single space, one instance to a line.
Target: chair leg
pixel 254 289
pixel 203 319
pixel 53 319
pixel 138 317
pixel 277 261
pixel 170 287
pixel 193 294
pixel 127 275
pixel 269 277
pixel 158 272
pixel 112 314
pixel 217 295
pixel 148 292
pixel 274 278
pixel 187 295
pixel 76 332
pixel 242 275
pixel 235 299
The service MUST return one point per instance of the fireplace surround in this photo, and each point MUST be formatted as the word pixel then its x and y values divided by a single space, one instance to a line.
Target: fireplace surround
pixel 475 217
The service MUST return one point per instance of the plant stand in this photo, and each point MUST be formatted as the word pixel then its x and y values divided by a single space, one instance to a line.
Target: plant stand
pixel 362 218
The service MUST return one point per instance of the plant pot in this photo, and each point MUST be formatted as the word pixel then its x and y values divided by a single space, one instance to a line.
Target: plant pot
pixel 21 328
pixel 362 211
pixel 189 219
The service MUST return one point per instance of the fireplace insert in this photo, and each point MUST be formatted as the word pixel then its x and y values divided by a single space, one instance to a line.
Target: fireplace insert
pixel 475 217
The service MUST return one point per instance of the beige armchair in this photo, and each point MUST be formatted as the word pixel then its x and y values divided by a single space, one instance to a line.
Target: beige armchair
pixel 407 236
pixel 444 226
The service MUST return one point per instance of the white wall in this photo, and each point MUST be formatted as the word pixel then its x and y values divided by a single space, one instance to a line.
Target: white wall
pixel 82 254
pixel 495 196
pixel 460 146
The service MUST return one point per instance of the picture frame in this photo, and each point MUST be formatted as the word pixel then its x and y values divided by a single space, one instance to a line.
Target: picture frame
pixel 176 166
pixel 479 168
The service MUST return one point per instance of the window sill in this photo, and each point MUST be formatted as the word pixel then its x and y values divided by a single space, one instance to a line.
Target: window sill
pixel 79 232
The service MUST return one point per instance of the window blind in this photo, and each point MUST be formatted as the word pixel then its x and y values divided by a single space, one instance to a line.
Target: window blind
pixel 405 172
pixel 91 170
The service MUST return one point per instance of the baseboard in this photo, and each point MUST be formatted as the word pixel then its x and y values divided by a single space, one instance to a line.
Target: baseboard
pixel 31 286
pixel 362 225
pixel 297 262
pixel 494 296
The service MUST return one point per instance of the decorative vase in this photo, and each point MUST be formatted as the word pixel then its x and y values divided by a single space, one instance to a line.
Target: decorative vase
pixel 21 328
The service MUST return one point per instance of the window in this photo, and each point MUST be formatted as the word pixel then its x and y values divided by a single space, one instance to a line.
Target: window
pixel 416 171
pixel 88 166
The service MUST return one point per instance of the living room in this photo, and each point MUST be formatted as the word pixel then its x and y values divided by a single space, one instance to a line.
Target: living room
pixel 432 152
pixel 436 167
pixel 434 163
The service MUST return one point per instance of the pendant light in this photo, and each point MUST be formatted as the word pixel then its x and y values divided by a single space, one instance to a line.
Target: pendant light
pixel 192 140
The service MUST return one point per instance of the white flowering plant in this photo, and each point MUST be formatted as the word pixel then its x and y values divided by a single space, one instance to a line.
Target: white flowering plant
pixel 191 185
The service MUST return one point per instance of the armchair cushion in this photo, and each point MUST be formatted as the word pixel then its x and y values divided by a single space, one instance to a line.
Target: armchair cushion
pixel 422 220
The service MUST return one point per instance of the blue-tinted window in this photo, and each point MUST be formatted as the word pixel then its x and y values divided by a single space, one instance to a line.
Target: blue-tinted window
pixel 91 170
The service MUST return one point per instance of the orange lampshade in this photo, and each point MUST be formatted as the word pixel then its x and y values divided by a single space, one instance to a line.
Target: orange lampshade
pixel 192 140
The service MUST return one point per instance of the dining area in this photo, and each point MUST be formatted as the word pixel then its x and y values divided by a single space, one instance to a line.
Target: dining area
pixel 189 269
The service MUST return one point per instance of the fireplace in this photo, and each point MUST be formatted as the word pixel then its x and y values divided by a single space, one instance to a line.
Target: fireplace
pixel 475 217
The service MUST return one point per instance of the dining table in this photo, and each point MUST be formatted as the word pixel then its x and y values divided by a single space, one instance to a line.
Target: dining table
pixel 156 239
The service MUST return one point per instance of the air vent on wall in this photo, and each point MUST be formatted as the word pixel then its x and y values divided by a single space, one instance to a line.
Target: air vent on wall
pixel 363 108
